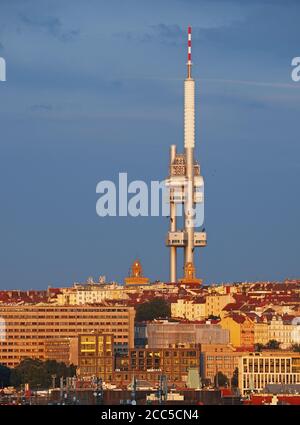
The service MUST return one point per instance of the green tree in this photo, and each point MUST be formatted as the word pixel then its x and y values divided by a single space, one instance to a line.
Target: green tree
pixel 296 348
pixel 259 347
pixel 273 344
pixel 212 317
pixel 154 309
pixel 4 376
pixel 235 378
pixel 38 373
pixel 221 380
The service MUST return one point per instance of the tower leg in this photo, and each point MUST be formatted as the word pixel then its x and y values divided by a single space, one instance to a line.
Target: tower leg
pixel 173 264
pixel 173 249
pixel 189 207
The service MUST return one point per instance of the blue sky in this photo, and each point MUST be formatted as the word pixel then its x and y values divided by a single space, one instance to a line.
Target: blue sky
pixel 96 88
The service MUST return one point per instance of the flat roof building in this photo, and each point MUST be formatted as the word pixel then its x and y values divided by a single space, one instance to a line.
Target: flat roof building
pixel 24 329
pixel 258 370
pixel 164 334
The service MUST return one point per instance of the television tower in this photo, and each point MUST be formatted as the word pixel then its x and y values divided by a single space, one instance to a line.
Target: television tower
pixel 186 188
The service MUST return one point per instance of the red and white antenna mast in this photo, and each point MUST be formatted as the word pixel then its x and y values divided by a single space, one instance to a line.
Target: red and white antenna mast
pixel 189 62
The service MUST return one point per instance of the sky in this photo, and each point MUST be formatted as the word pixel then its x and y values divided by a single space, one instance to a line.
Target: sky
pixel 96 88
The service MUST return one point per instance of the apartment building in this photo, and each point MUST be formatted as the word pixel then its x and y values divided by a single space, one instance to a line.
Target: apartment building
pixel 216 302
pixel 96 356
pixel 24 329
pixel 192 309
pixel 241 329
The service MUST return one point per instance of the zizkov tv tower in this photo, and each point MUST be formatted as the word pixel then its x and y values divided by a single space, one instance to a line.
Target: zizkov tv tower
pixel 186 189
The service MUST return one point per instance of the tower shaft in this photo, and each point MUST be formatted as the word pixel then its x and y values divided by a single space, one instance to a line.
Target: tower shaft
pixel 186 186
pixel 173 225
pixel 189 144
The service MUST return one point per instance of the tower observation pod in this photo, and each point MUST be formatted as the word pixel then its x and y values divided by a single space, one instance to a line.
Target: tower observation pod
pixel 186 189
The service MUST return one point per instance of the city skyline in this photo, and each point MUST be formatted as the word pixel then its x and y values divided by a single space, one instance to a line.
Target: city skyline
pixel 91 94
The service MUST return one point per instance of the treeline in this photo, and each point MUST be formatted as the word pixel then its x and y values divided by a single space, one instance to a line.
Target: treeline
pixel 37 373
pixel 158 308
pixel 275 345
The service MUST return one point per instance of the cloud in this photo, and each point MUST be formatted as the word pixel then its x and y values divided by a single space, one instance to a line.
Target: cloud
pixel 170 35
pixel 41 107
pixel 276 85
pixel 51 25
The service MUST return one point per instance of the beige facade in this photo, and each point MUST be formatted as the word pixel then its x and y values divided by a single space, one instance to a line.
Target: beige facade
pixel 188 309
pixel 218 358
pixel 216 302
pixel 24 329
pixel 257 370
pixel 80 295
pixel 261 333
pixel 281 331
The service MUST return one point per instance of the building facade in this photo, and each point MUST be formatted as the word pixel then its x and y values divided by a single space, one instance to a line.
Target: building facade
pixel 189 309
pixel 216 302
pixel 96 356
pixel 25 329
pixel 149 364
pixel 164 334
pixel 258 370
pixel 218 358
pixel 241 329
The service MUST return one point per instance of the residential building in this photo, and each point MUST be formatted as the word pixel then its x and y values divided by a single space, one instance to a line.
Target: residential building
pixel 280 329
pixel 241 329
pixel 216 302
pixel 261 331
pixel 190 309
pixel 96 356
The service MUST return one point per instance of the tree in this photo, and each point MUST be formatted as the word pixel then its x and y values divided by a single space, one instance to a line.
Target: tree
pixel 259 347
pixel 38 374
pixel 4 376
pixel 296 348
pixel 235 378
pixel 273 344
pixel 212 317
pixel 221 380
pixel 154 309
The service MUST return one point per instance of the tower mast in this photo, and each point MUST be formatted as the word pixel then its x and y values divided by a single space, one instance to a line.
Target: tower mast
pixel 186 187
pixel 189 144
